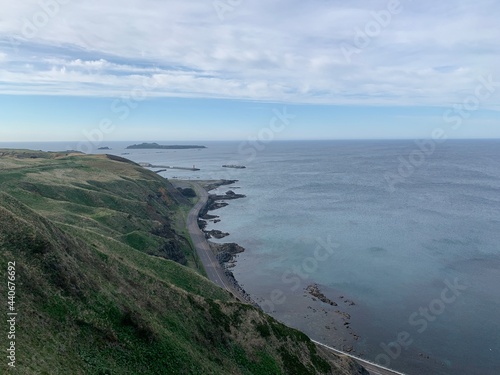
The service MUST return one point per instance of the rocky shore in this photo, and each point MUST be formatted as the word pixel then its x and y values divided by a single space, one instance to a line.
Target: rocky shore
pixel 313 290
pixel 215 234
pixel 343 318
pixel 335 310
pixel 216 201
pixel 225 252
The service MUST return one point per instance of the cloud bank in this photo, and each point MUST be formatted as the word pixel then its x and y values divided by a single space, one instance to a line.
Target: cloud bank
pixel 321 52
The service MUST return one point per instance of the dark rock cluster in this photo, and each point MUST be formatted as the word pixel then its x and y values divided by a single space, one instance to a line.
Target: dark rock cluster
pixel 313 290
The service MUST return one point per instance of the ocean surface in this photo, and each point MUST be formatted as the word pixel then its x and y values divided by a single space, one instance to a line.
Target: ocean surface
pixel 411 238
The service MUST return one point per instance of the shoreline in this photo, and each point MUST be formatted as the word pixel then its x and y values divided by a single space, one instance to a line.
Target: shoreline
pixel 226 253
pixel 318 302
pixel 223 253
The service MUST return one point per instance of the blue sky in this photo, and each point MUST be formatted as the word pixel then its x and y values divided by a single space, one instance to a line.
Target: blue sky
pixel 214 70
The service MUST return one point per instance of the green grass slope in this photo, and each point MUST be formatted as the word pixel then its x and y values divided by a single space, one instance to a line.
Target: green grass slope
pixel 106 281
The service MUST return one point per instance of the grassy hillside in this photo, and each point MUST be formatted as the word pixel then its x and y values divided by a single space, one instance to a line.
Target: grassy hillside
pixel 107 282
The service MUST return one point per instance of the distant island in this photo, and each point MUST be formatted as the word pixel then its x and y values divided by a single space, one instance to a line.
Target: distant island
pixel 164 147
pixel 104 148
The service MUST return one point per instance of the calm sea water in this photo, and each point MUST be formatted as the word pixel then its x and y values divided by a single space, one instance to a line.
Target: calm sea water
pixel 395 253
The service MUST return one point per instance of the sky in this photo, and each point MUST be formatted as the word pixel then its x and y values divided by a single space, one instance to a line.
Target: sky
pixel 233 69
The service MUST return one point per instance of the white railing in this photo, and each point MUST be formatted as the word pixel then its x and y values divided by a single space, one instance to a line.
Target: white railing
pixel 357 358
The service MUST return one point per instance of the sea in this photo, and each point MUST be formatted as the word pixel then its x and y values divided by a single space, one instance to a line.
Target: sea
pixel 403 237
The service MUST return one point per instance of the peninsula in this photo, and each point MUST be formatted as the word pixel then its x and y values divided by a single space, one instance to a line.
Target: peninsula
pixel 163 147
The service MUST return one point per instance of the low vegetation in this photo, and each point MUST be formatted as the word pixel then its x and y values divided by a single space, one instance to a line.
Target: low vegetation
pixel 107 282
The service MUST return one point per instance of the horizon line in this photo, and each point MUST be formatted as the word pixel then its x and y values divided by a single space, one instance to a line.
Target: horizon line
pixel 98 144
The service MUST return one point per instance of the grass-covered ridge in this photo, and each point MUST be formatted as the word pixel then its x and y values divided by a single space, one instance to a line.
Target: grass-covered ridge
pixel 107 282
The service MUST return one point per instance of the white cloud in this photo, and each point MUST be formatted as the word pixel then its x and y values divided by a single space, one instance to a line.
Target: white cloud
pixel 429 53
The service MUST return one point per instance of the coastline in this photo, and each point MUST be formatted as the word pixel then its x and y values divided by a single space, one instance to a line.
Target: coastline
pixel 226 253
pixel 216 257
pixel 338 308
pixel 246 232
pixel 219 258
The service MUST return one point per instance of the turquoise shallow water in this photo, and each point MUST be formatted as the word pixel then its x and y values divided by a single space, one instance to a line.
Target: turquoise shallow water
pixel 394 254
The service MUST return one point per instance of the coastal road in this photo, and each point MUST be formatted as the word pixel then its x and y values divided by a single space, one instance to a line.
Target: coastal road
pixel 372 368
pixel 214 271
pixel 216 274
